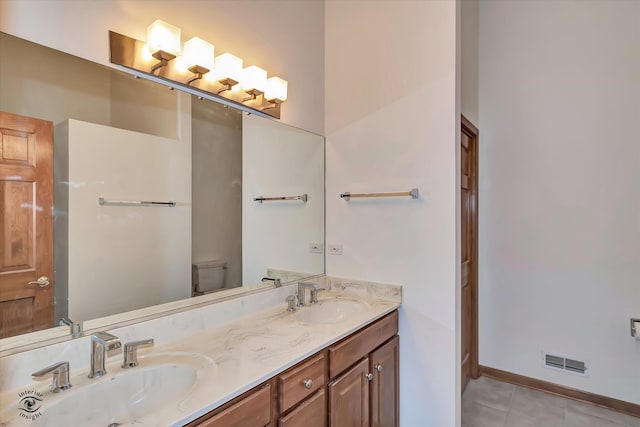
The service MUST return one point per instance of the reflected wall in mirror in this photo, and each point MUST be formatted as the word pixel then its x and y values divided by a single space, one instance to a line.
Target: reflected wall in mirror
pixel 130 140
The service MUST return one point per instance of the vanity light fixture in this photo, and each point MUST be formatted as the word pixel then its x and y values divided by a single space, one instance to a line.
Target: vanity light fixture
pixel 163 42
pixel 254 81
pixel 276 91
pixel 198 57
pixel 228 69
pixel 196 70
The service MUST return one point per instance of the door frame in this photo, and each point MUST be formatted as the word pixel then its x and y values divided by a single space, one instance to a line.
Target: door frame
pixel 472 132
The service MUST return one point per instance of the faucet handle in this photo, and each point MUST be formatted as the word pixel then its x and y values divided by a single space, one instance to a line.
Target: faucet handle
pixel 291 301
pixel 60 373
pixel 314 294
pixel 130 352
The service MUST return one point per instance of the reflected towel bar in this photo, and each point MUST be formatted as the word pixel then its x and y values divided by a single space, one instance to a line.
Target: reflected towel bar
pixel 414 193
pixel 261 199
pixel 102 201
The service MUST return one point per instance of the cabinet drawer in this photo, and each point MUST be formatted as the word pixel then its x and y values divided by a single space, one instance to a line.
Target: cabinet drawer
pixel 252 411
pixel 311 413
pixel 354 348
pixel 302 381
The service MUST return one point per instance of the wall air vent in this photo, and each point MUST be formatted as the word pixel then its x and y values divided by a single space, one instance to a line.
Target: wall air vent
pixel 565 364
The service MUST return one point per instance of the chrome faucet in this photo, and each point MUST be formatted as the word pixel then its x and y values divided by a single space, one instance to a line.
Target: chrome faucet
pixel 101 342
pixel 60 373
pixel 130 352
pixel 276 281
pixel 74 328
pixel 314 295
pixel 302 286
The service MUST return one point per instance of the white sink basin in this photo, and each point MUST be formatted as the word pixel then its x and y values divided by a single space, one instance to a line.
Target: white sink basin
pixel 330 310
pixel 125 395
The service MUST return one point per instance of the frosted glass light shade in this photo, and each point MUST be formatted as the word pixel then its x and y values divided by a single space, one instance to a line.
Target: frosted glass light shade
pixel 254 79
pixel 198 52
pixel 163 36
pixel 276 90
pixel 228 67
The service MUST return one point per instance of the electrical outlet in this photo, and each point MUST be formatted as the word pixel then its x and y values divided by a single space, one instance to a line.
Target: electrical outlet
pixel 315 248
pixel 335 249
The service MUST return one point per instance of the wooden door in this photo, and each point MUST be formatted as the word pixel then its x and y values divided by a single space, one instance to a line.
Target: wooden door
pixel 26 225
pixel 385 367
pixel 469 250
pixel 349 398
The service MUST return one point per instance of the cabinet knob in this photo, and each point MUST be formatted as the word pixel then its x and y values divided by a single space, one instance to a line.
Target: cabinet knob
pixel 369 376
pixel 378 367
pixel 307 383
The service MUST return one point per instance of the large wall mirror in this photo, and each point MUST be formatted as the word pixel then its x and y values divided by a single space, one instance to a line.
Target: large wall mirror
pixel 154 194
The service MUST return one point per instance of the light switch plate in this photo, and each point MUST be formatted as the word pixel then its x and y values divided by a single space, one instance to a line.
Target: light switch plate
pixel 334 249
pixel 315 248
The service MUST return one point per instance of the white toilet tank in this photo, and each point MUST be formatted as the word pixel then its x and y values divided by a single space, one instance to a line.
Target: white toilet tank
pixel 208 276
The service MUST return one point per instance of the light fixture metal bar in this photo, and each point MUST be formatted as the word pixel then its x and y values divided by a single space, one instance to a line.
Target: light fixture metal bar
pixel 123 53
pixel 414 193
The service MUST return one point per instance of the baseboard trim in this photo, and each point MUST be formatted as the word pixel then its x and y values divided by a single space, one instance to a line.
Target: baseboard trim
pixel 571 393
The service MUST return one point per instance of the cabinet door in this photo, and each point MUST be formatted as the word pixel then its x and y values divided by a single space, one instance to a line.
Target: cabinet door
pixel 310 413
pixel 252 411
pixel 384 386
pixel 349 398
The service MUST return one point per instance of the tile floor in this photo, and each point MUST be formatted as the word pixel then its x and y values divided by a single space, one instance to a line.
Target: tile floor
pixel 491 403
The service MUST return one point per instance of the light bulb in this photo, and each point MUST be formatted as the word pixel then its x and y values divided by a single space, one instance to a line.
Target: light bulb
pixel 254 79
pixel 198 53
pixel 276 90
pixel 228 69
pixel 163 36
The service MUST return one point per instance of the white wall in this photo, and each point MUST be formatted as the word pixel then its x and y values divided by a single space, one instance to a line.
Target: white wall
pixel 469 11
pixel 81 90
pixel 391 125
pixel 78 88
pixel 279 160
pixel 560 189
pixel 111 248
pixel 284 37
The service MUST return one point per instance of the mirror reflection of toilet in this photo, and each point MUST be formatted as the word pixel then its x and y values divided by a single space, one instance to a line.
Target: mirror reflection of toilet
pixel 208 276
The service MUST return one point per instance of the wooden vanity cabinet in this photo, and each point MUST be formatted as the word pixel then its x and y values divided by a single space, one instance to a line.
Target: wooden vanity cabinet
pixel 306 383
pixel 302 381
pixel 310 413
pixel 252 409
pixel 367 394
pixel 384 364
pixel 353 383
pixel 349 397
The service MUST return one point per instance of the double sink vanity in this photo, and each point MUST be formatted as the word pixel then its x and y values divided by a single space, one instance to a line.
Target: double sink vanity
pixel 263 358
pixel 151 342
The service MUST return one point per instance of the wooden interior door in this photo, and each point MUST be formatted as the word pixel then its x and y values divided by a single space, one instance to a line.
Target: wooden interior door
pixel 26 224
pixel 385 366
pixel 349 398
pixel 469 250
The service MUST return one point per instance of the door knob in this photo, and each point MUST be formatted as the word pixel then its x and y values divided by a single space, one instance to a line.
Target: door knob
pixel 378 367
pixel 307 383
pixel 42 281
pixel 369 376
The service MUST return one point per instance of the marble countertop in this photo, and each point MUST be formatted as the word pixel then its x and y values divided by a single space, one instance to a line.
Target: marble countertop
pixel 242 353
